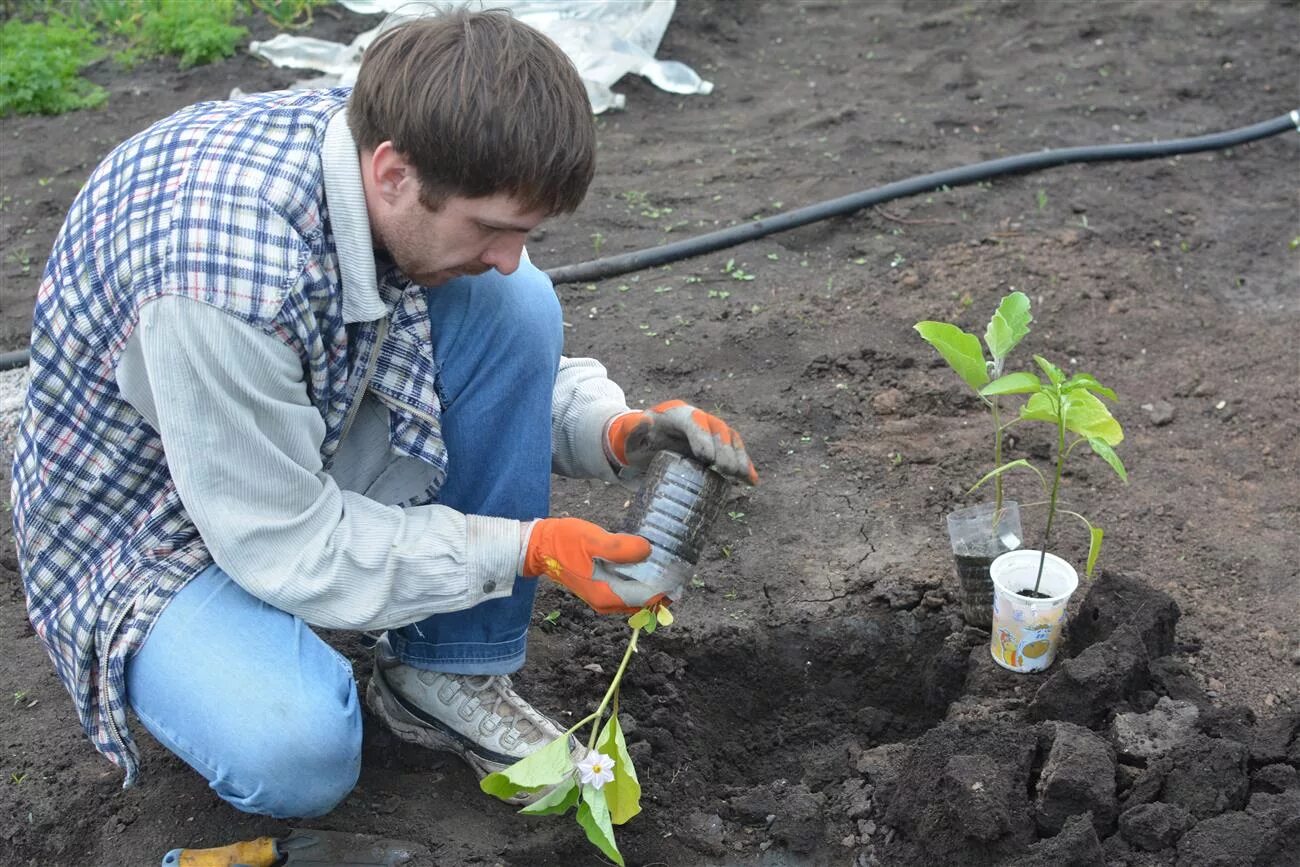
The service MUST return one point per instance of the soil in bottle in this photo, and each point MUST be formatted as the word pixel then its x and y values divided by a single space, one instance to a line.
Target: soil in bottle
pixel 977 589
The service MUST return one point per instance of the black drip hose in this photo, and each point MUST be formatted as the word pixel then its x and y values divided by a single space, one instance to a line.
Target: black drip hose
pixel 610 266
pixel 642 259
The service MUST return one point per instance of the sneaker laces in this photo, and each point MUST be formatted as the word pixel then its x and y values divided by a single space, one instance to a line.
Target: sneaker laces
pixel 501 705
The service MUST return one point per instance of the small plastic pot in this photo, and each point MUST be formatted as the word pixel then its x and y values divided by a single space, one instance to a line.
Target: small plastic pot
pixel 1026 632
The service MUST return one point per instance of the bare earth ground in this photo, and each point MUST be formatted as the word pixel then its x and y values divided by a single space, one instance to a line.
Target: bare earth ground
pixel 1171 280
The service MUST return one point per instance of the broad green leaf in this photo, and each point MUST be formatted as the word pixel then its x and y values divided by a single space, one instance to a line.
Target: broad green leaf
pixel 640 619
pixel 1094 548
pixel 651 623
pixel 664 616
pixel 960 349
pixel 1021 464
pixel 1053 372
pixel 1013 383
pixel 1107 454
pixel 1088 417
pixel 1041 407
pixel 557 801
pixel 593 816
pixel 1088 381
pixel 623 794
pixel 1009 324
pixel 546 767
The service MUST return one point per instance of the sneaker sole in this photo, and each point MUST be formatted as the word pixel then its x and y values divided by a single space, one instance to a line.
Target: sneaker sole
pixel 411 726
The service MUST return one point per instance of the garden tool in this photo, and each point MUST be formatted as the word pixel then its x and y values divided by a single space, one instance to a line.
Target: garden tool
pixel 300 848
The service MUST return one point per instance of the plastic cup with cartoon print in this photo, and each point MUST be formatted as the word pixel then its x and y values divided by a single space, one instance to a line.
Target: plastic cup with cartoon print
pixel 979 534
pixel 1027 632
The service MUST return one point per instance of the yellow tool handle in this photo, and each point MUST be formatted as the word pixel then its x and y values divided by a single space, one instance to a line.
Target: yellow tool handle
pixel 250 853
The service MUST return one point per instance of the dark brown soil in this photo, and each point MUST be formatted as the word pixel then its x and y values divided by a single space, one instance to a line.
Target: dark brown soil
pixel 825 623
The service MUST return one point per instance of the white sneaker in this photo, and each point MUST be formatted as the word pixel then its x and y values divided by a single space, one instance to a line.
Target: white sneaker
pixel 477 717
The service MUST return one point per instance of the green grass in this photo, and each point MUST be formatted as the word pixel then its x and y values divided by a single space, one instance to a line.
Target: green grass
pixel 44 44
pixel 39 66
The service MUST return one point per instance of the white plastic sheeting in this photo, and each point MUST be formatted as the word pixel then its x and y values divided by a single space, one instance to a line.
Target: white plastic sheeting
pixel 605 39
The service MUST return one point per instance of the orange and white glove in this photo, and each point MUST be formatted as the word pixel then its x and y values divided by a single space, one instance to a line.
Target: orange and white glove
pixel 634 438
pixel 569 551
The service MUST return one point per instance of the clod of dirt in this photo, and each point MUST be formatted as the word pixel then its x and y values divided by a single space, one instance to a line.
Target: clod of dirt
pixel 703 832
pixel 1207 776
pixel 1076 846
pixel 1078 777
pixel 1140 737
pixel 1114 598
pixel 1152 827
pixel 1275 779
pixel 1272 737
pixel 1231 840
pixel 964 790
pixel 1089 687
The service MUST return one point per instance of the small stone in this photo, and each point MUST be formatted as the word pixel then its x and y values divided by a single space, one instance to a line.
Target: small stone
pixel 848 841
pixel 1161 412
pixel 595 667
pixel 886 402
pixel 1215 684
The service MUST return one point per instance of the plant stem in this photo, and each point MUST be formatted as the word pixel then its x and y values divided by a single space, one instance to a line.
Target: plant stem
pixel 1056 485
pixel 613 689
pixel 997 462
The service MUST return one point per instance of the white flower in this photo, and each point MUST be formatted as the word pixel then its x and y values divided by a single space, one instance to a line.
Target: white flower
pixel 596 769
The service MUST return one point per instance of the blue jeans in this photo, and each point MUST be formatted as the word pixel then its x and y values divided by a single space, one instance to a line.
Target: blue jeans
pixel 254 700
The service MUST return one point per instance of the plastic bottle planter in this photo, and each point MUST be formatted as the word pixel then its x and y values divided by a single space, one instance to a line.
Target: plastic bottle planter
pixel 677 504
pixel 1026 632
pixel 979 534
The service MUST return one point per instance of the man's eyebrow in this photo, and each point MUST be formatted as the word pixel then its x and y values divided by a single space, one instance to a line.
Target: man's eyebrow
pixel 506 225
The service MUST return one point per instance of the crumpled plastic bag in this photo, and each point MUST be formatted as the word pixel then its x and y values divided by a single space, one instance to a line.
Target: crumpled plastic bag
pixel 605 39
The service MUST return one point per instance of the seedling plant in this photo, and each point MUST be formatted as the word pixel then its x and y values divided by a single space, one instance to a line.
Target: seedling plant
pixel 965 355
pixel 603 786
pixel 1073 407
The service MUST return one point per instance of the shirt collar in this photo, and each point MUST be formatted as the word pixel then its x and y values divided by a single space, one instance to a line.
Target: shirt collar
pixel 351 223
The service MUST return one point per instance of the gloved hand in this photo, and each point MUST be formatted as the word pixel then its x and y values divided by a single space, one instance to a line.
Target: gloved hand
pixel 635 437
pixel 569 551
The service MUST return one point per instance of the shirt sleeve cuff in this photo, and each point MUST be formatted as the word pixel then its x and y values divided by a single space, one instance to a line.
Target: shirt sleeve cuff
pixel 494 550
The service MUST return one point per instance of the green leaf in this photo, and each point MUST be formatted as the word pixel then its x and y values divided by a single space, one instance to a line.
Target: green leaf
pixel 593 816
pixel 1040 407
pixel 961 350
pixel 651 624
pixel 640 619
pixel 1107 454
pixel 546 767
pixel 623 794
pixel 1088 417
pixel 557 801
pixel 1053 372
pixel 664 616
pixel 1009 325
pixel 1013 383
pixel 1094 548
pixel 1088 381
pixel 1021 464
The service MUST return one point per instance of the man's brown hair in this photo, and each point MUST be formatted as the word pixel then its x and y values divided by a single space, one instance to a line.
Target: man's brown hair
pixel 480 104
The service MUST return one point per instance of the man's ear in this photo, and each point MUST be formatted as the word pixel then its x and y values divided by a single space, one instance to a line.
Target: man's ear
pixel 390 173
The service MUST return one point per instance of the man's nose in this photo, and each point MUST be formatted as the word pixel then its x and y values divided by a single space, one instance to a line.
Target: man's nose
pixel 504 255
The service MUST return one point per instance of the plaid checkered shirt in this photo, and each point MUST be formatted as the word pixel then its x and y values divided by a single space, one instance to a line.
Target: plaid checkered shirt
pixel 223 203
